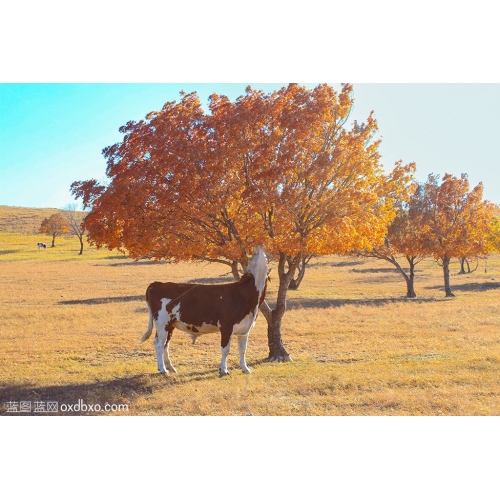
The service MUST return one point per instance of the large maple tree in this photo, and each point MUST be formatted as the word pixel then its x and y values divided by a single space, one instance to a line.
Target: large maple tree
pixel 280 169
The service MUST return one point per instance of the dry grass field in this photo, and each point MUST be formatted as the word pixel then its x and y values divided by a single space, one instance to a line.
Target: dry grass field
pixel 23 220
pixel 69 328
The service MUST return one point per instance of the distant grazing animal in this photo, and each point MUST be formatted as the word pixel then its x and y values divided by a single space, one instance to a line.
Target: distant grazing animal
pixel 230 309
pixel 42 245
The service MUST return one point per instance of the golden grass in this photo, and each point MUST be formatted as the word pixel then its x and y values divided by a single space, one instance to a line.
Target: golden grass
pixel 69 328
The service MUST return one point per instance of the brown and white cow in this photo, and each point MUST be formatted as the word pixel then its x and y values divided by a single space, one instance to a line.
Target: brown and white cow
pixel 196 309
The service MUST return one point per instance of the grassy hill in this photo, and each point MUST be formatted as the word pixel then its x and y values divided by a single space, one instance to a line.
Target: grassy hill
pixel 23 220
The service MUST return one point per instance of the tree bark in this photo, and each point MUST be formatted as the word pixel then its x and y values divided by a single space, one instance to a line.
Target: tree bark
pixel 53 241
pixel 464 261
pixel 277 351
pixel 446 272
pixel 410 279
pixel 295 282
pixel 234 270
pixel 81 244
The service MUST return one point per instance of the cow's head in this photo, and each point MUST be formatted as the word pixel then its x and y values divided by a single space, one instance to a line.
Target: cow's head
pixel 258 268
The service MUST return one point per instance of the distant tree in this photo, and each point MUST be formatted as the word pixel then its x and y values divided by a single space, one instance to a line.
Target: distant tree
pixel 75 219
pixel 405 238
pixel 493 240
pixel 494 235
pixel 457 222
pixel 55 225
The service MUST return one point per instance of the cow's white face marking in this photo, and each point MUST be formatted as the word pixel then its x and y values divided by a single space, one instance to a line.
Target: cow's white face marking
pixel 258 268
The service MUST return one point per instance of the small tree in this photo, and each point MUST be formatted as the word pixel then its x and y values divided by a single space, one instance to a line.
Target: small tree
pixel 75 220
pixel 55 225
pixel 457 222
pixel 494 235
pixel 404 235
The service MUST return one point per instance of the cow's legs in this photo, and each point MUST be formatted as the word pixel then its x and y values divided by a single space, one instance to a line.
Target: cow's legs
pixel 160 340
pixel 242 344
pixel 225 346
pixel 166 356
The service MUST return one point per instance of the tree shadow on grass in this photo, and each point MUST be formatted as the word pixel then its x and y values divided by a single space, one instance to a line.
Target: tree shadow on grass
pixel 344 263
pixel 138 263
pixel 379 270
pixel 468 287
pixel 327 303
pixel 103 300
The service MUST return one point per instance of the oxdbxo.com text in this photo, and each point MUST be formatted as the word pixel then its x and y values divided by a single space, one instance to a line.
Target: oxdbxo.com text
pixel 80 406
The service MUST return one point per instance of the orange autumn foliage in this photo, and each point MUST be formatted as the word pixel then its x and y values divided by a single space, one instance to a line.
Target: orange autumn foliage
pixel 280 169
pixel 54 226
pixel 457 221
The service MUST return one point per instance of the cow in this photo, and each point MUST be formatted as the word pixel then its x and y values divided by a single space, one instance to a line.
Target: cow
pixel 197 309
pixel 41 245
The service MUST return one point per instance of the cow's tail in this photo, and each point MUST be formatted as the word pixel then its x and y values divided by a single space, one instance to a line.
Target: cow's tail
pixel 148 332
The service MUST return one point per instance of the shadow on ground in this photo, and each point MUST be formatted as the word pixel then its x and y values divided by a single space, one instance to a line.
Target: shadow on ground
pixel 110 397
pixel 468 287
pixel 344 263
pixel 326 303
pixel 7 252
pixel 135 263
pixel 103 300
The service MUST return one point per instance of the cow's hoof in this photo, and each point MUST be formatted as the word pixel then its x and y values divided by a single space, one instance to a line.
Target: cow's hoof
pixel 246 370
pixel 163 372
pixel 223 373
pixel 172 369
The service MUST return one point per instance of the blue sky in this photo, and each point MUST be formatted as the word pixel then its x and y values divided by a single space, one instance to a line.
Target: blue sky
pixel 53 134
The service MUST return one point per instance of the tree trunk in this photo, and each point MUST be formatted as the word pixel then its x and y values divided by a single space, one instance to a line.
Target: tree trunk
pixel 410 279
pixel 446 272
pixel 277 351
pixel 463 262
pixel 295 282
pixel 81 244
pixel 462 266
pixel 477 265
pixel 53 241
